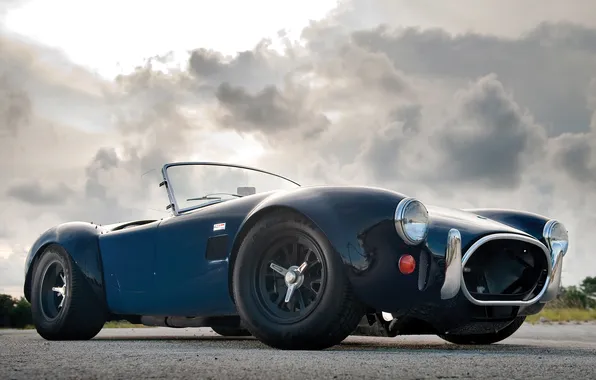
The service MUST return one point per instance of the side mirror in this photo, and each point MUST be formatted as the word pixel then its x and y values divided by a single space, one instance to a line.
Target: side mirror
pixel 246 190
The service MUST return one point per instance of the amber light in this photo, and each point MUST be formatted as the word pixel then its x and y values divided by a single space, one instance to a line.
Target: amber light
pixel 407 264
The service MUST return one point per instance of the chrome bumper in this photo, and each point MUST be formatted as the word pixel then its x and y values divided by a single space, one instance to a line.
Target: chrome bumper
pixel 454 276
pixel 454 266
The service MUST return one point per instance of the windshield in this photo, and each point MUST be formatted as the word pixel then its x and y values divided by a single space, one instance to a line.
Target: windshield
pixel 194 185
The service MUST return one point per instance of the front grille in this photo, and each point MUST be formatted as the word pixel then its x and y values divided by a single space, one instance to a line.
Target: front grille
pixel 505 270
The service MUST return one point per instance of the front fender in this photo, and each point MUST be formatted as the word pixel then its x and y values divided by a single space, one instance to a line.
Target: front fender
pixel 359 225
pixel 81 242
pixel 343 214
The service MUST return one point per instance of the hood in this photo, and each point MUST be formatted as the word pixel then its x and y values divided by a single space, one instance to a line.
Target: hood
pixel 471 227
pixel 466 219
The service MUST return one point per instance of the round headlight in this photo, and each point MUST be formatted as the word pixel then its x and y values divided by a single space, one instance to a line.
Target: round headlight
pixel 411 221
pixel 556 236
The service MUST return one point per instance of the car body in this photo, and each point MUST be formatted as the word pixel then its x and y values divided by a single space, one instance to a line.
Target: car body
pixel 381 260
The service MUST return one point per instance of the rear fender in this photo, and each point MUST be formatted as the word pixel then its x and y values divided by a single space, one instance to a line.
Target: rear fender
pixel 80 240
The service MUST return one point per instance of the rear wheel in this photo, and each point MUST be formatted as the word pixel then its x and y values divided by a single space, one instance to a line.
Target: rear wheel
pixel 63 306
pixel 290 287
pixel 489 338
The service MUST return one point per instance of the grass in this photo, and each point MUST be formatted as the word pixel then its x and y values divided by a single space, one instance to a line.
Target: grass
pixel 564 315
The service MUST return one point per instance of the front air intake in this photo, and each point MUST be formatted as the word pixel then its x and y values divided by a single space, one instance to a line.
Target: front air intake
pixel 506 269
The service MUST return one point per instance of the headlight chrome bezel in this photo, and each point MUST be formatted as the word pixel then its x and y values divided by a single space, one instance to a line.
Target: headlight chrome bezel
pixel 556 236
pixel 401 221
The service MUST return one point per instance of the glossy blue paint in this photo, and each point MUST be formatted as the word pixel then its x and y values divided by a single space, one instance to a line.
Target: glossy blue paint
pixel 128 258
pixel 81 241
pixel 532 224
pixel 172 275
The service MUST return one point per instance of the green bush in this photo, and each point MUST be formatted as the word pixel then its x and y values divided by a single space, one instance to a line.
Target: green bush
pixel 15 313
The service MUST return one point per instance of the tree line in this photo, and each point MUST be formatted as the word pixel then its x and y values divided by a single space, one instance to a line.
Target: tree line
pixel 16 313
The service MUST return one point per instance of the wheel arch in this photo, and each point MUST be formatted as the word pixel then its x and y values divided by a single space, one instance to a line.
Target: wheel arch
pixel 80 241
pixel 31 267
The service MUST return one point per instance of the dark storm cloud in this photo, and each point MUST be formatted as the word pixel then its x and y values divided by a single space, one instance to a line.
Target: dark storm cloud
pixel 382 150
pixel 269 110
pixel 548 69
pixel 575 154
pixel 104 160
pixel 251 68
pixel 489 138
pixel 575 158
pixel 36 193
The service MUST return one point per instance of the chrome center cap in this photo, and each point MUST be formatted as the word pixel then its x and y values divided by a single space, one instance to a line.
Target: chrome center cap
pixel 291 277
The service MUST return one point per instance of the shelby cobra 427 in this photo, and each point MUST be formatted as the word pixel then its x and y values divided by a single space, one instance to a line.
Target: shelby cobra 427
pixel 296 267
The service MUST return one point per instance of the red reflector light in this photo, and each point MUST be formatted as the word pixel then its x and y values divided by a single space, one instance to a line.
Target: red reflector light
pixel 407 264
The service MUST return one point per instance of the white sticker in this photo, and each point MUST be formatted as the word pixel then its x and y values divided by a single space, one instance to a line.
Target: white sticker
pixel 219 226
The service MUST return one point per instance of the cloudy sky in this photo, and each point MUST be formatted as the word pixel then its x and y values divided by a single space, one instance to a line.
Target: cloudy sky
pixel 463 104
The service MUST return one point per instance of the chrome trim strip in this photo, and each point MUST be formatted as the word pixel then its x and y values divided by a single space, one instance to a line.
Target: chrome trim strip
pixel 453 263
pixel 507 236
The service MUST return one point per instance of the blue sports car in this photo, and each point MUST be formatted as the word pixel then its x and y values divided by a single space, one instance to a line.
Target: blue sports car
pixel 248 252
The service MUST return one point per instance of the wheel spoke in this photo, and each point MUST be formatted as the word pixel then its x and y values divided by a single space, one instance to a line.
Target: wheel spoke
pixel 308 253
pixel 294 256
pixel 315 282
pixel 301 300
pixel 280 298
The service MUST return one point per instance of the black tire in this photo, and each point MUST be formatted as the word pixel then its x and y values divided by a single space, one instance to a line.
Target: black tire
pixel 331 315
pixel 230 331
pixel 81 315
pixel 490 338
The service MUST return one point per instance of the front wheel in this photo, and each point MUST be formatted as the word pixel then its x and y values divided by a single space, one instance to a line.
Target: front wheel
pixel 488 338
pixel 63 306
pixel 290 286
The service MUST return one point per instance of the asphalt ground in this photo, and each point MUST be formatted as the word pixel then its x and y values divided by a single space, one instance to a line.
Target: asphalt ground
pixel 534 352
